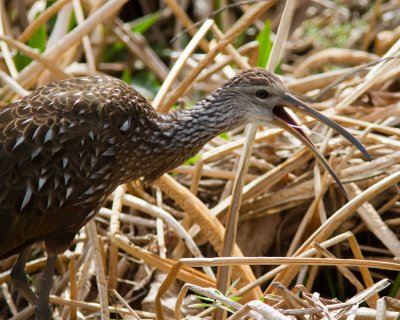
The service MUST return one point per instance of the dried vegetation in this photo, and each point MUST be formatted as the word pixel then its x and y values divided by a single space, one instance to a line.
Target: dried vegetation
pixel 342 56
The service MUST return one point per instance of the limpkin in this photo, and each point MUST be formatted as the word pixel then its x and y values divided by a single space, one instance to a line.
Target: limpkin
pixel 66 146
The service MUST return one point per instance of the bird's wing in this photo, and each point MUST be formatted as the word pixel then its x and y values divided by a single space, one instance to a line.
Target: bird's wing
pixel 31 157
pixel 56 129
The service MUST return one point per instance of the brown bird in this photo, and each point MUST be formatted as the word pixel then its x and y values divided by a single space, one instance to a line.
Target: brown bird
pixel 66 146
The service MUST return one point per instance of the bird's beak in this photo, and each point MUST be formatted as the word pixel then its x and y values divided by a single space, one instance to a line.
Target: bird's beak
pixel 285 121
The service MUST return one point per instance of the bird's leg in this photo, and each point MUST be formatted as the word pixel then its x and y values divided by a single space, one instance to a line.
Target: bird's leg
pixel 42 307
pixel 19 278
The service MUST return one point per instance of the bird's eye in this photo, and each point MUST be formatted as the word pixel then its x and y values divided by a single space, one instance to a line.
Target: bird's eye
pixel 262 94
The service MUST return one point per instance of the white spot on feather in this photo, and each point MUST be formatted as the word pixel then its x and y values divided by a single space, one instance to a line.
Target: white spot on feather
pixel 56 183
pixel 27 198
pixel 49 135
pixel 35 133
pixel 66 178
pixel 19 141
pixel 102 169
pixel 91 190
pixel 125 126
pixel 65 162
pixel 41 183
pixel 49 201
pixel 69 191
pixel 3 111
pixel 55 150
pixel 111 140
pixel 27 121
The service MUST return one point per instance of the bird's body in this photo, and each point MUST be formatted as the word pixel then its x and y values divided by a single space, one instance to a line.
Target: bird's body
pixel 66 146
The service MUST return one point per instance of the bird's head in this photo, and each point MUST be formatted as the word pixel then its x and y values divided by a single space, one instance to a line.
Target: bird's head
pixel 262 98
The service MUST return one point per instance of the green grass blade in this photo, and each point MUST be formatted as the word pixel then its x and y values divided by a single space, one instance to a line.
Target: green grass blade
pixel 38 39
pixel 265 45
pixel 192 161
pixel 145 23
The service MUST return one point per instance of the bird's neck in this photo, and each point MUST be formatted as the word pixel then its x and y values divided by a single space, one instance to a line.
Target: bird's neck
pixel 196 125
pixel 183 133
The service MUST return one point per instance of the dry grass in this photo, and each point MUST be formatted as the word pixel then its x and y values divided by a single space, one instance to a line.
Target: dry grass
pixel 293 220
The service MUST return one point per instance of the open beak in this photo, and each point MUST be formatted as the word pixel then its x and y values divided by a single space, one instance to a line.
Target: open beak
pixel 285 121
